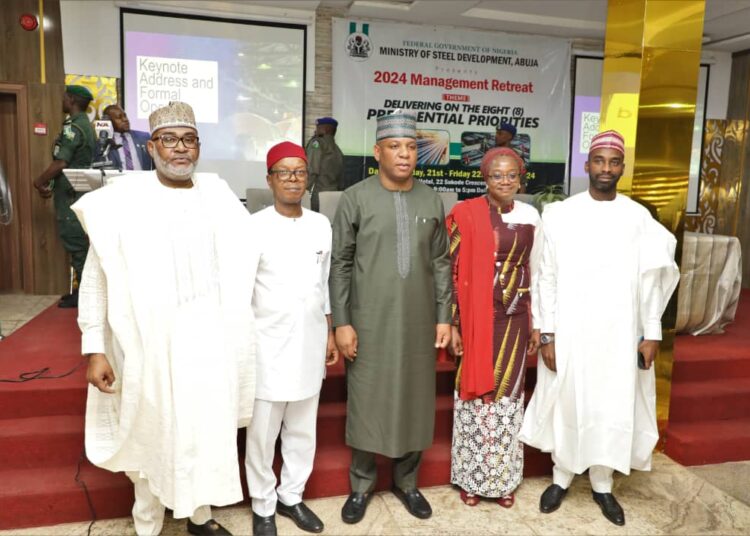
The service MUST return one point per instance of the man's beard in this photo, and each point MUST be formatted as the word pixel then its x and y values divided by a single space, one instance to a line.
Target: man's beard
pixel 172 172
pixel 603 187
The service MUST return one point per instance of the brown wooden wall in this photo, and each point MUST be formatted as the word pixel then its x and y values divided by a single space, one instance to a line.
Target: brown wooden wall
pixel 21 63
pixel 19 49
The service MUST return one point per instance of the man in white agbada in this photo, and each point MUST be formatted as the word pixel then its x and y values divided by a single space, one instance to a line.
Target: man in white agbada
pixel 295 342
pixel 166 316
pixel 606 275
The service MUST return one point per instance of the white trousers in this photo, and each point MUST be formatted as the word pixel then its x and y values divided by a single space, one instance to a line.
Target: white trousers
pixel 601 477
pixel 148 511
pixel 296 421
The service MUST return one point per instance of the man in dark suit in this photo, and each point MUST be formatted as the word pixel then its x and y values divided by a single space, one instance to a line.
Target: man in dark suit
pixel 132 153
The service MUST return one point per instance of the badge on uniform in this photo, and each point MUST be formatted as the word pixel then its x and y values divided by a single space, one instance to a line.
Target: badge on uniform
pixel 68 132
pixel 56 150
pixel 315 144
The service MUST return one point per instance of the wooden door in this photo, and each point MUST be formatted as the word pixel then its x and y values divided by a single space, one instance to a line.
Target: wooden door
pixel 15 239
pixel 11 274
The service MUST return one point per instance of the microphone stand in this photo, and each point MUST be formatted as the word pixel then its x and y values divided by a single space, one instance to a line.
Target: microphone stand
pixel 104 162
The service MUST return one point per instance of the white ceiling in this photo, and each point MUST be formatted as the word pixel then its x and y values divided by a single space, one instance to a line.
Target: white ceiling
pixel 726 27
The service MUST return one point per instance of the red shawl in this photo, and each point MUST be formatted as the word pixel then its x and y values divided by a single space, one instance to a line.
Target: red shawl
pixel 476 272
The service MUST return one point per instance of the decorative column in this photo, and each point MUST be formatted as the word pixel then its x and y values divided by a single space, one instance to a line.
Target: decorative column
pixel 649 90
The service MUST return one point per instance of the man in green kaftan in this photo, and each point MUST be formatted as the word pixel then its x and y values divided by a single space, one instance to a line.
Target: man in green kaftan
pixel 390 287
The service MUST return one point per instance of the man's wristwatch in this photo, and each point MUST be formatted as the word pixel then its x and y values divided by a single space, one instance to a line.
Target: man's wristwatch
pixel 547 338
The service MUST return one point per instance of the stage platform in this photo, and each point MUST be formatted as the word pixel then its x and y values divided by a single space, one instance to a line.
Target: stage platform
pixel 41 422
pixel 709 419
pixel 41 433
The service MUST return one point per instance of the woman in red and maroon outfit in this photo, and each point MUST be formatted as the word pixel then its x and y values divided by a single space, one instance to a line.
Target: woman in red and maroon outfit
pixel 495 247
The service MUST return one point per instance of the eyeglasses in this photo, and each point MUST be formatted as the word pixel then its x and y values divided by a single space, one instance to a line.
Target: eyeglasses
pixel 285 175
pixel 170 141
pixel 508 177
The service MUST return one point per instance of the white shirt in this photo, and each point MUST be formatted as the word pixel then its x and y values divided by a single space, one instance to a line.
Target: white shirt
pixel 290 301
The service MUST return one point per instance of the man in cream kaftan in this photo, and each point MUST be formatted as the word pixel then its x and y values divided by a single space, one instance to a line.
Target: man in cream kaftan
pixel 606 275
pixel 292 311
pixel 166 320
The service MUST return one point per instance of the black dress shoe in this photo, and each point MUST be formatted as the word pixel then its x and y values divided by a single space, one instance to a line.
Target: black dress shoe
pixel 414 501
pixel 610 507
pixel 69 301
pixel 355 507
pixel 302 516
pixel 551 499
pixel 264 526
pixel 208 528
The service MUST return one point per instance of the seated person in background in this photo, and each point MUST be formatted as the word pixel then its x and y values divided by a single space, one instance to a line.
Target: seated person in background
pixel 132 153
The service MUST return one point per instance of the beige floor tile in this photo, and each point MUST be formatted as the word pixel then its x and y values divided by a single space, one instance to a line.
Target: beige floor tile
pixel 9 326
pixel 451 516
pixel 733 478
pixel 669 500
pixel 17 309
pixel 677 501
pixel 579 514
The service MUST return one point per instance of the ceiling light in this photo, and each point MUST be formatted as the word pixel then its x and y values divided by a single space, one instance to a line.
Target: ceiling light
pixel 727 40
pixel 383 4
pixel 530 18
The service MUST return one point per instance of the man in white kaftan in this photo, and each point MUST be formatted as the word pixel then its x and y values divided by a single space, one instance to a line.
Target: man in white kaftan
pixel 166 318
pixel 295 342
pixel 606 275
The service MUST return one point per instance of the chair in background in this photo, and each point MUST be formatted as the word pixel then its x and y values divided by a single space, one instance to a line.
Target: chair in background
pixel 449 200
pixel 525 198
pixel 328 203
pixel 257 199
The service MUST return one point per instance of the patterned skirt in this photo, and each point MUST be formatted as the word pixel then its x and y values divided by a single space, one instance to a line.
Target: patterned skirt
pixel 486 456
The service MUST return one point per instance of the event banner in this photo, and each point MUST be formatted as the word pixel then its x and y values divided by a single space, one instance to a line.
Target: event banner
pixel 460 84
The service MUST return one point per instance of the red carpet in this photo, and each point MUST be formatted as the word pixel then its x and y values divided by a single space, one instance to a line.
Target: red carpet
pixel 709 418
pixel 41 431
pixel 41 434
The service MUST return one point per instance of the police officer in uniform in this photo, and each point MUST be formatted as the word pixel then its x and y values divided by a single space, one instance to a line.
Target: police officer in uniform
pixel 325 160
pixel 74 148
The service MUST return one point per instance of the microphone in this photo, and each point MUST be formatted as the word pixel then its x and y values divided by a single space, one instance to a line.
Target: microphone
pixel 104 142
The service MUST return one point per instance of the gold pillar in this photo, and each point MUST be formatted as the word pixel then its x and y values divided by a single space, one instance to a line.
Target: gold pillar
pixel 649 91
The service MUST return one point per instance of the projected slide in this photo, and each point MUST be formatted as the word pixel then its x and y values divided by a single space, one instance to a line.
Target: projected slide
pixel 168 79
pixel 244 81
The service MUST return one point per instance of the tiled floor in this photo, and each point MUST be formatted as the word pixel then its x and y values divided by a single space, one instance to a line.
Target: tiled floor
pixel 17 309
pixel 671 499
